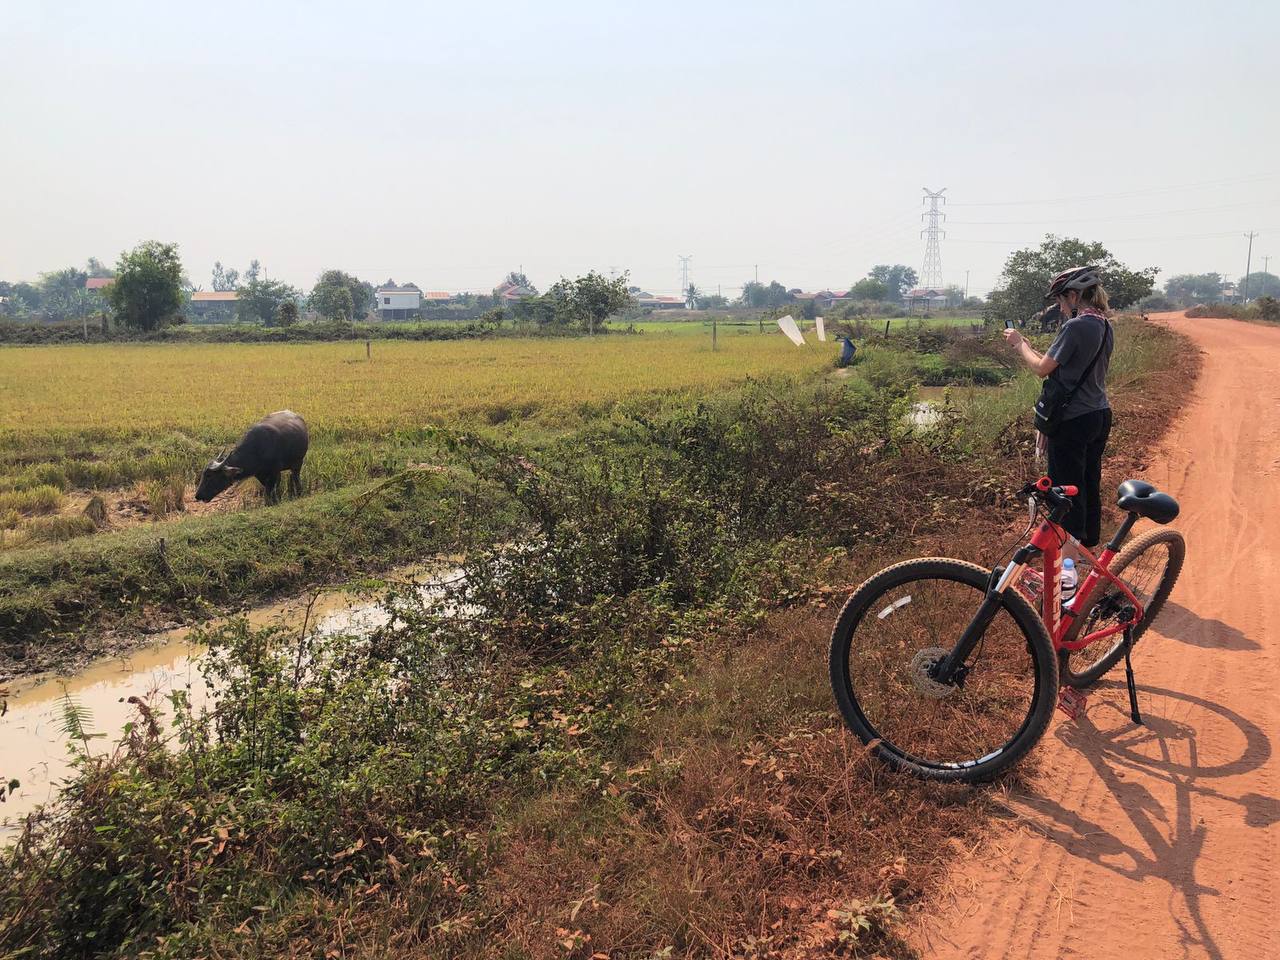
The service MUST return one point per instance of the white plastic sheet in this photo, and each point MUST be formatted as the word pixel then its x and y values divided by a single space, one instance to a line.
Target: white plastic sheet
pixel 788 326
pixel 822 329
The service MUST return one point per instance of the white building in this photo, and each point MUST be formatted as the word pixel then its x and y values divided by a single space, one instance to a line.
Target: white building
pixel 398 302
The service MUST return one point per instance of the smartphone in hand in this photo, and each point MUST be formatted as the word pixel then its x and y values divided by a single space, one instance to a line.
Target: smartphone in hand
pixel 1008 324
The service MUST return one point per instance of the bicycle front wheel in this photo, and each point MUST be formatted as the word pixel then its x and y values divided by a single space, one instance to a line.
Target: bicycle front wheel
pixel 1150 566
pixel 901 622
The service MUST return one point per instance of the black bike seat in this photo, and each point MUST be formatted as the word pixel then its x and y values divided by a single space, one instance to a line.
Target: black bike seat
pixel 1140 497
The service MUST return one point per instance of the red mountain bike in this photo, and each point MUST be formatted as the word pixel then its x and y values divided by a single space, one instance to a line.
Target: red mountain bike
pixel 948 672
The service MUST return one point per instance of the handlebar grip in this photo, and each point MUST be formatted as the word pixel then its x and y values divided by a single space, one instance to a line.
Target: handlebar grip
pixel 1070 490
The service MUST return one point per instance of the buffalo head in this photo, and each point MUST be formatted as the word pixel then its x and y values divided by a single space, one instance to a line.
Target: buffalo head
pixel 215 478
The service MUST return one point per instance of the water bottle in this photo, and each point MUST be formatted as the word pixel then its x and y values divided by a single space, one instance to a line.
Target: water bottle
pixel 1068 581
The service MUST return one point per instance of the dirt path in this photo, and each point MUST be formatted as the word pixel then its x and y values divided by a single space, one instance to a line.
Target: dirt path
pixel 1164 841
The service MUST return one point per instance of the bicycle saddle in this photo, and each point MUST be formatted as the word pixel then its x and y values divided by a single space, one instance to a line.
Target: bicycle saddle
pixel 1140 497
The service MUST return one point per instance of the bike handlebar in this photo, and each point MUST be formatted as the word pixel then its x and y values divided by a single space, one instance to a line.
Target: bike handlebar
pixel 1057 498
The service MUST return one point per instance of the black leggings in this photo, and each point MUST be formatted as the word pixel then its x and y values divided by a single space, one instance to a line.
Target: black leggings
pixel 1075 457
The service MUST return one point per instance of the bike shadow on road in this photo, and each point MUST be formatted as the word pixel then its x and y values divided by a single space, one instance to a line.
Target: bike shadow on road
pixel 1166 776
pixel 1178 623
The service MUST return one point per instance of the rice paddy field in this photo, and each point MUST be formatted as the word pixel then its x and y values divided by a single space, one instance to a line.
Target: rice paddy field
pixel 106 391
pixel 136 422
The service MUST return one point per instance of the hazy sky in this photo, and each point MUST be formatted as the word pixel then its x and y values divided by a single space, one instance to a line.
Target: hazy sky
pixel 449 143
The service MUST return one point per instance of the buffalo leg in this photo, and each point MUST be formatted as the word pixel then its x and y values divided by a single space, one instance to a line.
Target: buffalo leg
pixel 295 482
pixel 271 486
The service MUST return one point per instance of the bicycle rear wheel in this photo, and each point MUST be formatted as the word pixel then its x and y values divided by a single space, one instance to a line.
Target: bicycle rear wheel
pixel 902 621
pixel 1150 566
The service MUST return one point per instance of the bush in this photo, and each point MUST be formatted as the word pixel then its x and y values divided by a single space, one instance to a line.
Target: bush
pixel 1266 309
pixel 1155 303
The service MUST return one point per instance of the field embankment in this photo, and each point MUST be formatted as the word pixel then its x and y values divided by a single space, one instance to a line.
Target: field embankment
pixel 615 737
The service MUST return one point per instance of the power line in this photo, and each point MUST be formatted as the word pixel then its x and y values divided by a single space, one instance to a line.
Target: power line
pixel 1153 191
pixel 1136 216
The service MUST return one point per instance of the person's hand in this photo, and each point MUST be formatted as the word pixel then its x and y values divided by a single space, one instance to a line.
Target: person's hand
pixel 1012 337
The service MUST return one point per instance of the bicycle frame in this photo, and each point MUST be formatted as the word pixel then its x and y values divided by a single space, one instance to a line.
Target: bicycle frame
pixel 1047 541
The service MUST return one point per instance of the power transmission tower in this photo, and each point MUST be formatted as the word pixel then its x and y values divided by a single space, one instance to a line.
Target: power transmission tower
pixel 1248 265
pixel 931 274
pixel 684 275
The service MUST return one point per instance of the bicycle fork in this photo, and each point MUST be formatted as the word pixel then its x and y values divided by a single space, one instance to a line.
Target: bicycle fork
pixel 952 669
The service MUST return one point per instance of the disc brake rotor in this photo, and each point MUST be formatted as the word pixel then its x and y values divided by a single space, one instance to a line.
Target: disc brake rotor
pixel 920 679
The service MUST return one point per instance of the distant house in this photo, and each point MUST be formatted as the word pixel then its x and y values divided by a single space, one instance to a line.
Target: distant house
pixel 826 299
pixel 398 302
pixel 213 305
pixel 660 303
pixel 509 293
pixel 438 297
pixel 98 285
pixel 927 298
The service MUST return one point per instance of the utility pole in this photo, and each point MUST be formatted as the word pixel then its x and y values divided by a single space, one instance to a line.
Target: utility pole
pixel 931 273
pixel 1266 263
pixel 1248 265
pixel 757 273
pixel 966 284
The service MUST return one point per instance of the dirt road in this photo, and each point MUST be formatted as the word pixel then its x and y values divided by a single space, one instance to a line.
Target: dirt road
pixel 1163 841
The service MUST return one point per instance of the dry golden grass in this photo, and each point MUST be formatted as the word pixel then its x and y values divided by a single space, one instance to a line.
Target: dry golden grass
pixel 142 389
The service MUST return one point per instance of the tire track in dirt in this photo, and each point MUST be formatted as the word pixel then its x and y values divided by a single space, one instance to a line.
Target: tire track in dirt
pixel 1163 840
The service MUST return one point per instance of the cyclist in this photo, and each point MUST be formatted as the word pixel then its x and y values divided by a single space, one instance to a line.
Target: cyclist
pixel 1075 450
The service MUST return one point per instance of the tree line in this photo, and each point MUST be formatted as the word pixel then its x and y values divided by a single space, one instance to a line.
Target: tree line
pixel 149 290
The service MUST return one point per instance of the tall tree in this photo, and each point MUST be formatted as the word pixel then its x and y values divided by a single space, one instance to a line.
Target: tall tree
pixel 251 275
pixel 287 313
pixel 1027 273
pixel 96 268
pixel 588 302
pixel 755 294
pixel 1260 285
pixel 62 294
pixel 1191 288
pixel 327 302
pixel 869 288
pixel 147 293
pixel 897 279
pixel 260 300
pixel 224 279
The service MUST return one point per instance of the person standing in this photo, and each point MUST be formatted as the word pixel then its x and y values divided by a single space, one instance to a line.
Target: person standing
pixel 1079 358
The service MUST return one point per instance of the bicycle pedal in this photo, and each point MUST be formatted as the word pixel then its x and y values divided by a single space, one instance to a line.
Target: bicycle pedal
pixel 1072 702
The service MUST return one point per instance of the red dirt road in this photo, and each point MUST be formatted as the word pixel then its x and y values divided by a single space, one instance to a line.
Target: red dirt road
pixel 1163 841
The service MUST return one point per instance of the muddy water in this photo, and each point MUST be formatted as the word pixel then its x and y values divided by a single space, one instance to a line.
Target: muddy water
pixel 925 411
pixel 33 747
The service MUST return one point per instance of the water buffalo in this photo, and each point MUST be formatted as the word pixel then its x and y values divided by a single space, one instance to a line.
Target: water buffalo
pixel 276 443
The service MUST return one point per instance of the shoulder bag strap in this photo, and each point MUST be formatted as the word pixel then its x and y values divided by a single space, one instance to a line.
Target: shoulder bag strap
pixel 1106 332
